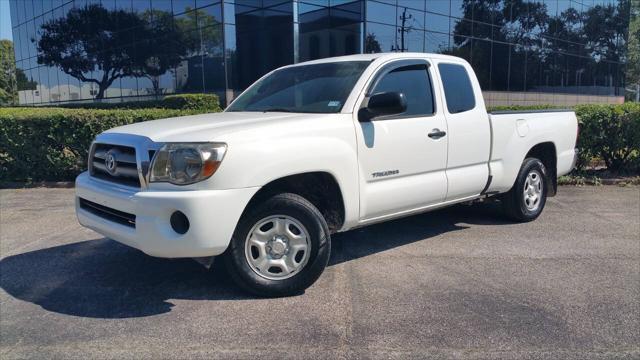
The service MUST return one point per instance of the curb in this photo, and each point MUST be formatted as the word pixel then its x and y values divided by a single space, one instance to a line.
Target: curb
pixel 41 184
pixel 631 181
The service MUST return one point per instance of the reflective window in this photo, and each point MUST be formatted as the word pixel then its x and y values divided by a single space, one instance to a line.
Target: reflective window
pixel 209 16
pixel 380 38
pixel 141 6
pixel 516 76
pixel 44 84
pixel 330 30
pixel 28 10
pixel 37 7
pixel 26 42
pixel 413 81
pixel 203 3
pixel 181 6
pixel 13 12
pixel 458 8
pixel 63 86
pixel 16 43
pixel 436 22
pixel 556 46
pixel 458 91
pixel 161 5
pixel 481 62
pixel 117 4
pixel 263 40
pixel 412 4
pixel 500 67
pixel 438 7
pixel 47 5
pixel 31 38
pixel 381 13
pixel 54 92
pixel 436 42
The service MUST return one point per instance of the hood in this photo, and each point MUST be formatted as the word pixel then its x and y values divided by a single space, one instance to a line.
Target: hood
pixel 207 127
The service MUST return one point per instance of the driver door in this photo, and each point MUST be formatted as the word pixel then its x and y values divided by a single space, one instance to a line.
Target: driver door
pixel 402 164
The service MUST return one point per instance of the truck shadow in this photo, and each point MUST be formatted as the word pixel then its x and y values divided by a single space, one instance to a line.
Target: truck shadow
pixel 101 278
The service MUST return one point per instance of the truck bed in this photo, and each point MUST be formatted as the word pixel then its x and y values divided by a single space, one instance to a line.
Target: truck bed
pixel 516 132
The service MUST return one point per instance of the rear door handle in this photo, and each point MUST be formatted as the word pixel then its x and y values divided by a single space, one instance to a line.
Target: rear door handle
pixel 437 134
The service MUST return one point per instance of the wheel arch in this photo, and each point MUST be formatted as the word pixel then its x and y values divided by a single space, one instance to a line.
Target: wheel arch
pixel 547 154
pixel 319 187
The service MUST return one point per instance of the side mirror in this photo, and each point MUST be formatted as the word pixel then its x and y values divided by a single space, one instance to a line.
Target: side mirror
pixel 386 103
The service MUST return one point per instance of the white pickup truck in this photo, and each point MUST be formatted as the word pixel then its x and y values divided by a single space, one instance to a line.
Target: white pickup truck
pixel 316 148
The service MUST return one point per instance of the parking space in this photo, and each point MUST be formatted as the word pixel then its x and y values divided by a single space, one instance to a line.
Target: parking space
pixel 459 282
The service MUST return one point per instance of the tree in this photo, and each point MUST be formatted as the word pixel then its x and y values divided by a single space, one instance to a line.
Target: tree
pixel 97 45
pixel 88 45
pixel 23 82
pixel 170 40
pixel 371 44
pixel 8 84
pixel 162 49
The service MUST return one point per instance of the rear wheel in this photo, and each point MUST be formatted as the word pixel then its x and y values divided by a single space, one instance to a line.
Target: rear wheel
pixel 526 200
pixel 280 247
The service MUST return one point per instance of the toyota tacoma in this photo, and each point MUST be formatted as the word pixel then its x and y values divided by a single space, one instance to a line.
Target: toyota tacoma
pixel 316 148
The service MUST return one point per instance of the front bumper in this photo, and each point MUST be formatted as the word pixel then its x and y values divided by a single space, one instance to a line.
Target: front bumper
pixel 212 214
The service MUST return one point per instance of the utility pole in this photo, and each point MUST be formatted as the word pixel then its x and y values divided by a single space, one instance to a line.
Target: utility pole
pixel 403 30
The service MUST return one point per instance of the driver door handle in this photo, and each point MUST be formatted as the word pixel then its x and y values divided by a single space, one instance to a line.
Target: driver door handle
pixel 437 134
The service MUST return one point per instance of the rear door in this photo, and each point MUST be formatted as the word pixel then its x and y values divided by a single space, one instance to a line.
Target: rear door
pixel 469 130
pixel 401 166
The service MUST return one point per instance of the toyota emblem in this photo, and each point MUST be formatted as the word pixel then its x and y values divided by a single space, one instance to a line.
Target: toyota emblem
pixel 110 162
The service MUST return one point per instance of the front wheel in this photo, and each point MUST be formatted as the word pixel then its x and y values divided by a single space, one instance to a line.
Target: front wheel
pixel 280 247
pixel 525 201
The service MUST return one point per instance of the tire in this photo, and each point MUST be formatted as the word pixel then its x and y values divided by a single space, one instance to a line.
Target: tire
pixel 269 241
pixel 526 204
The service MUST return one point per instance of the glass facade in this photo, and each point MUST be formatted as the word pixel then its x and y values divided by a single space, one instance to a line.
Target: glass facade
pixel 151 48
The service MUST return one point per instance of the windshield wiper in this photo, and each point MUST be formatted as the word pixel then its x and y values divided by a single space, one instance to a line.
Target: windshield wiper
pixel 277 110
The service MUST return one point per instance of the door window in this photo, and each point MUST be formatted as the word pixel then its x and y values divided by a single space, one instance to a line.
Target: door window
pixel 414 82
pixel 457 88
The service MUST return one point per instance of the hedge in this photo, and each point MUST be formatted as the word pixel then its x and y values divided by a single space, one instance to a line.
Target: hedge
pixel 524 107
pixel 50 144
pixel 610 133
pixel 204 102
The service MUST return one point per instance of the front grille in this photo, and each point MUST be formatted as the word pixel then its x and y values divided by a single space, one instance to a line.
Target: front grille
pixel 126 167
pixel 108 213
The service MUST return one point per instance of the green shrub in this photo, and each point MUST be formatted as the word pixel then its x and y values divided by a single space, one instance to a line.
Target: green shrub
pixel 208 102
pixel 524 107
pixel 611 133
pixel 50 144
pixel 204 102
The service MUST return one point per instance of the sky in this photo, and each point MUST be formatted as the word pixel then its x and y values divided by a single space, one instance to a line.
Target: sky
pixel 5 20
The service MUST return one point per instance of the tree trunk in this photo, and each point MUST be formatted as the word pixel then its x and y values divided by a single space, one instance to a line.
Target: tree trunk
pixel 155 81
pixel 102 88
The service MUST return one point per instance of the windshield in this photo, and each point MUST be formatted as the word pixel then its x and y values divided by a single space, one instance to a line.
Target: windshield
pixel 318 88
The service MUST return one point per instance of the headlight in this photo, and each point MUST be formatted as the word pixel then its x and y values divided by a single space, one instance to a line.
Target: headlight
pixel 183 164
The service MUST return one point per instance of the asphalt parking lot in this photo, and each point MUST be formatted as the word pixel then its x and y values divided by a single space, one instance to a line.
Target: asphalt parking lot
pixel 457 283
